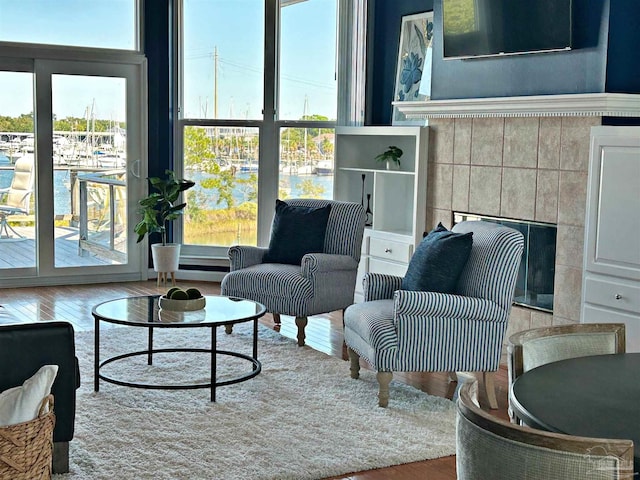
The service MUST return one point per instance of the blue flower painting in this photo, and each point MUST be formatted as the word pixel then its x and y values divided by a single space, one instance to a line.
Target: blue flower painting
pixel 415 36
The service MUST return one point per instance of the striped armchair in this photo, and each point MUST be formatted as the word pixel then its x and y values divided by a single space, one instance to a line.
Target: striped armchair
pixel 324 282
pixel 411 331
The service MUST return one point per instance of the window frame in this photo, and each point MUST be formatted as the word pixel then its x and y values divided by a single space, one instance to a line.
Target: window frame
pixel 350 110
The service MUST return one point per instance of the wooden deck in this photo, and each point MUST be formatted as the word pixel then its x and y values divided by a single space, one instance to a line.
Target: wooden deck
pixel 21 253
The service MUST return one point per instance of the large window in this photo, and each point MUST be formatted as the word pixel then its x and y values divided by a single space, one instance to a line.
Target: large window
pixel 78 23
pixel 256 121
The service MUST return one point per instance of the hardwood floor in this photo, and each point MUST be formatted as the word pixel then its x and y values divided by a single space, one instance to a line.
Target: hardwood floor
pixel 324 332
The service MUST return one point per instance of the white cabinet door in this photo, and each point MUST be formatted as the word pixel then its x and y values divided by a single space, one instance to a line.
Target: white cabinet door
pixel 611 279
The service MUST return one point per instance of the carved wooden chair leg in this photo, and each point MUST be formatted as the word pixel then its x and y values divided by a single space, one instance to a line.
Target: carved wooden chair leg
pixel 384 379
pixel 354 368
pixel 490 389
pixel 301 322
pixel 276 318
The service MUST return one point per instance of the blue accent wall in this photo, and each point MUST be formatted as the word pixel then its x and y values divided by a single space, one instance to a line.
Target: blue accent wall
pixel 383 53
pixel 623 59
pixel 157 48
pixel 606 35
pixel 581 70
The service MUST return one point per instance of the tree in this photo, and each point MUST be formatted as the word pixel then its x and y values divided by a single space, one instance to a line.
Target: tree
pixel 308 189
pixel 199 153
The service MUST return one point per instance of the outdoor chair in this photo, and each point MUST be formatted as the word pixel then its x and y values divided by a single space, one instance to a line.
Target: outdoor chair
pixel 532 348
pixel 15 199
pixel 321 281
pixel 396 330
pixel 488 448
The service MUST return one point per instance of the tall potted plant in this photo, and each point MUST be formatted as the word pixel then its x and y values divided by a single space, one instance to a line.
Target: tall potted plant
pixel 157 210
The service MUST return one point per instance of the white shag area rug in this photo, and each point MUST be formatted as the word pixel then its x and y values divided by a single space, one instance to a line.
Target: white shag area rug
pixel 302 417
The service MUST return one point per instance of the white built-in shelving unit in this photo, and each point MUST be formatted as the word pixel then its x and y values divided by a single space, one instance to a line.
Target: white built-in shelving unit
pixel 397 197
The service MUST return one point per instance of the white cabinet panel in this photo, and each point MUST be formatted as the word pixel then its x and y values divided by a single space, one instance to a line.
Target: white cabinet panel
pixel 390 250
pixel 611 277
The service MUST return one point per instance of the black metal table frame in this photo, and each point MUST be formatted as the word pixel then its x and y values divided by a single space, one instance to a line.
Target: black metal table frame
pixel 150 351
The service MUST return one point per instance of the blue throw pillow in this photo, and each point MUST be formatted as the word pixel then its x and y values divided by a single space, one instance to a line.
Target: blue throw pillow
pixel 295 232
pixel 438 261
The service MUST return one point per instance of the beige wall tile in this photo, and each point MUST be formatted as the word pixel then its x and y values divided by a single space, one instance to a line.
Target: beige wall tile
pixel 547 196
pixel 519 320
pixel 518 198
pixel 442 185
pixel 541 319
pixel 572 198
pixel 549 142
pixel 570 246
pixel 460 194
pixel 520 142
pixel 484 190
pixel 557 320
pixel 435 216
pixel 486 141
pixel 574 146
pixel 441 132
pixel 462 140
pixel 568 292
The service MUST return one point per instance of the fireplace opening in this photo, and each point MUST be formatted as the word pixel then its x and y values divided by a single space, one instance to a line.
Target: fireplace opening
pixel 534 287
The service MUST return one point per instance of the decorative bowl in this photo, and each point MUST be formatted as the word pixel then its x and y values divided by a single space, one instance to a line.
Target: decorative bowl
pixel 182 305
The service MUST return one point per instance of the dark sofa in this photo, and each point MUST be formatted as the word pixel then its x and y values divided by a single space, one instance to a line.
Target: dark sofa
pixel 24 348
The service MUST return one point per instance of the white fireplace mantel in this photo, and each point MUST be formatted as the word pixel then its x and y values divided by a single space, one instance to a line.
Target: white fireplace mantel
pixel 575 105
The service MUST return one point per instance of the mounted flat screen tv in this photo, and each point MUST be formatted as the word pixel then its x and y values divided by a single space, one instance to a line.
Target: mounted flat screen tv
pixel 481 28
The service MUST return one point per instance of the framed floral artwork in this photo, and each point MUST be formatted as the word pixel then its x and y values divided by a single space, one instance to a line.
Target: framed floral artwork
pixel 416 35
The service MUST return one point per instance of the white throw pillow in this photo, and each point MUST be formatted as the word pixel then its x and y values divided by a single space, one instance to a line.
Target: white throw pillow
pixel 22 404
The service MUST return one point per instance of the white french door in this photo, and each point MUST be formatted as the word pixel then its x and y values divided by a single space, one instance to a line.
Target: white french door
pixel 90 171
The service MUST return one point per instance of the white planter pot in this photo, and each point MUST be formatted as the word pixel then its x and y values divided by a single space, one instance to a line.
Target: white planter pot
pixel 166 258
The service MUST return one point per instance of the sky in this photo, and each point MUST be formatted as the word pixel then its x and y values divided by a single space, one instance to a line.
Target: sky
pixel 233 27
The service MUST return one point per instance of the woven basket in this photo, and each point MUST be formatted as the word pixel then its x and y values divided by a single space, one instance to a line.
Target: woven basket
pixel 26 448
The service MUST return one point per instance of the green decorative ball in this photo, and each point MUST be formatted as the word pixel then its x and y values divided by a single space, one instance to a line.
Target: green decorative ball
pixel 193 293
pixel 179 295
pixel 171 290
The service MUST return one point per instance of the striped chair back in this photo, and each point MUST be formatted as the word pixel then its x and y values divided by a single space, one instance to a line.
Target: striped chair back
pixel 345 227
pixel 492 268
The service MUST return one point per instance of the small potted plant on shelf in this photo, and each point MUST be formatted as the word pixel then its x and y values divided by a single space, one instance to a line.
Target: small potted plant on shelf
pixel 391 157
pixel 158 209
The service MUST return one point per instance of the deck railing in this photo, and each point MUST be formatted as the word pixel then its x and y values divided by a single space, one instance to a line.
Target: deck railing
pixel 99 192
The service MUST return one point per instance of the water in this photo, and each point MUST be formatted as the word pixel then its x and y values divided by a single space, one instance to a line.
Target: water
pixel 62 195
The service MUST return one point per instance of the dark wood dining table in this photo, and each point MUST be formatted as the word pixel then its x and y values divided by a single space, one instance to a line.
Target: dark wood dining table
pixel 595 396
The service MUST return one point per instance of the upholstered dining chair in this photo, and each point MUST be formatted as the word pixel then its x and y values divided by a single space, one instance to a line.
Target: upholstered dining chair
pixel 488 448
pixel 538 346
pixel 15 199
pixel 426 331
pixel 307 284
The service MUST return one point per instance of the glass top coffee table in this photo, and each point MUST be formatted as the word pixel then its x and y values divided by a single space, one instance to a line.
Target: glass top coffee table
pixel 144 312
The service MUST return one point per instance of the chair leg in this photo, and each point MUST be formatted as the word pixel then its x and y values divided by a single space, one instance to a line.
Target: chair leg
pixel 5 228
pixel 354 368
pixel 60 458
pixel 276 318
pixel 384 379
pixel 453 376
pixel 301 322
pixel 490 389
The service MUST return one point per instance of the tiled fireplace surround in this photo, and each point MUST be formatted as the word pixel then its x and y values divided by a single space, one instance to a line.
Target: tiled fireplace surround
pixel 532 168
pixel 523 164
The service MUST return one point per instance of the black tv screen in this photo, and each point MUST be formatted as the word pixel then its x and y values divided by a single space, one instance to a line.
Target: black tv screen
pixel 475 28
